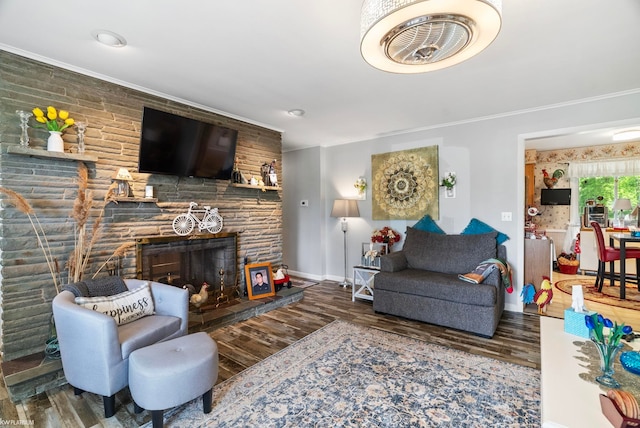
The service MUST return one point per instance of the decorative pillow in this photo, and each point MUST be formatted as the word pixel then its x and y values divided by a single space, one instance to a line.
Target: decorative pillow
pixel 124 307
pixel 476 227
pixel 447 253
pixel 427 224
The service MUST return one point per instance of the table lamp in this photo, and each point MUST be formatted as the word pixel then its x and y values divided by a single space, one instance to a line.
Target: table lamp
pixel 344 208
pixel 621 204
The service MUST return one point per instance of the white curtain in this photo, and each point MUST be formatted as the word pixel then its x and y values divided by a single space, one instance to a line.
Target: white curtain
pixel 610 168
pixel 573 228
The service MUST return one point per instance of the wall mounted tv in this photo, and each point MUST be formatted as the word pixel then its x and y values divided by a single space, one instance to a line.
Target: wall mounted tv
pixel 176 145
pixel 555 197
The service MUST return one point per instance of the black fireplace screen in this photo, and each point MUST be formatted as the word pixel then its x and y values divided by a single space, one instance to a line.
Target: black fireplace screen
pixel 179 260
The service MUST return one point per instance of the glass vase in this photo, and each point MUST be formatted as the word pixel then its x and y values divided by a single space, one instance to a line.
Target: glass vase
pixel 81 127
pixel 24 126
pixel 608 354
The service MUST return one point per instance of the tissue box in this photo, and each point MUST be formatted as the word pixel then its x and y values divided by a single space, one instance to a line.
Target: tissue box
pixel 574 323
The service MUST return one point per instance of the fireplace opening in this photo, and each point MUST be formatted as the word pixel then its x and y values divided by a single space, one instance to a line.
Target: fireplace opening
pixel 189 262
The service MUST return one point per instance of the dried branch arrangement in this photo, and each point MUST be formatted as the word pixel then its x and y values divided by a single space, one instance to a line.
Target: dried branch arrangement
pixel 83 241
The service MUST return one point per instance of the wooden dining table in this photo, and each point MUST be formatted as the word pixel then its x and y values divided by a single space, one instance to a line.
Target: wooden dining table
pixel 623 239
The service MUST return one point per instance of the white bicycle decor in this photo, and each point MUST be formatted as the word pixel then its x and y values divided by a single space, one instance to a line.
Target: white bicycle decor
pixel 183 224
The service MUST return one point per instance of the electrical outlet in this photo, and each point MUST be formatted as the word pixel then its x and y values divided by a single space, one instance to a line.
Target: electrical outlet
pixel 507 216
pixel 304 203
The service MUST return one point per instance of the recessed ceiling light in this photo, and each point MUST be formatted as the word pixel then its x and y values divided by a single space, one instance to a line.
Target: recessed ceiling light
pixel 109 38
pixel 630 134
pixel 297 112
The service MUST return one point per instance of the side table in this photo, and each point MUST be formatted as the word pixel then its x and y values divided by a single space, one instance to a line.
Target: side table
pixel 363 282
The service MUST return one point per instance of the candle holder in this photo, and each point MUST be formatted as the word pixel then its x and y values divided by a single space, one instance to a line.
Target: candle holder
pixel 81 127
pixel 24 126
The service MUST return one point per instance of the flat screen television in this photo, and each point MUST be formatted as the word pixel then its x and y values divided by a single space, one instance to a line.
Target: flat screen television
pixel 176 145
pixel 555 197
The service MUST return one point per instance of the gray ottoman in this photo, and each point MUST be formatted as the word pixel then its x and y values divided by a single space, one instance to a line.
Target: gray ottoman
pixel 168 374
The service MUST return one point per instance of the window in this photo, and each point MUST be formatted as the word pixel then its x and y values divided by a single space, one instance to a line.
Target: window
pixel 610 188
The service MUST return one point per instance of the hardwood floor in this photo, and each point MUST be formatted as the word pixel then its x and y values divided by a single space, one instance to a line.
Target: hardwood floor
pixel 246 343
pixel 561 301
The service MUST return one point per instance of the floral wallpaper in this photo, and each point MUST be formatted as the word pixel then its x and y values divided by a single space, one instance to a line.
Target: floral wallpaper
pixel 557 217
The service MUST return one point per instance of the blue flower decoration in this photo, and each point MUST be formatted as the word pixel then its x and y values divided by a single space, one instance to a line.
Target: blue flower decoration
pixel 589 322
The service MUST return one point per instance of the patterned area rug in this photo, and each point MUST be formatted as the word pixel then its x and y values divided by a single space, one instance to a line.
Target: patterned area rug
pixel 345 375
pixel 609 295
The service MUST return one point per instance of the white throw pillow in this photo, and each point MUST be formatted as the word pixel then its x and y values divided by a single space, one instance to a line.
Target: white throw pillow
pixel 124 307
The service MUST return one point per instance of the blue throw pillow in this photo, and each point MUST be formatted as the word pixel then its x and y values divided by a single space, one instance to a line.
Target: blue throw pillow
pixel 476 227
pixel 427 224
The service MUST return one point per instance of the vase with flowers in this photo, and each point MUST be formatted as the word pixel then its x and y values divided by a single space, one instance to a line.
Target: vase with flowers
pixel 385 235
pixel 606 336
pixel 55 122
pixel 361 186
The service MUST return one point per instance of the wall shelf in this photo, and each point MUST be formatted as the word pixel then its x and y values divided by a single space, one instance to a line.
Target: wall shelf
pixel 44 154
pixel 137 200
pixel 249 186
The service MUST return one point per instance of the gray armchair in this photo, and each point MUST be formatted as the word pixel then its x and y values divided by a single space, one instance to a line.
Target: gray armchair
pixel 95 350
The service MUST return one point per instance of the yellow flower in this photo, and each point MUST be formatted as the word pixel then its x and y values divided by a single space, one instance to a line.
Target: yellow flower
pixel 54 120
pixel 52 114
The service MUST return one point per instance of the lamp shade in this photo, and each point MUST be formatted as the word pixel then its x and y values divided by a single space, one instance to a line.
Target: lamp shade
pixel 345 208
pixel 122 174
pixel 622 204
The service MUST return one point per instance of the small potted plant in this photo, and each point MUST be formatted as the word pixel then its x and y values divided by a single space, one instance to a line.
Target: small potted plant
pixel 449 183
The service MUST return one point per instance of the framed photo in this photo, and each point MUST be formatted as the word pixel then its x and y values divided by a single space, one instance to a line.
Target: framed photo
pixel 259 278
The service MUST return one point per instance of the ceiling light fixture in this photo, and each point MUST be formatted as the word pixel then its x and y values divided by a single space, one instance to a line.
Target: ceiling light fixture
pixel 296 112
pixel 629 134
pixel 416 36
pixel 109 38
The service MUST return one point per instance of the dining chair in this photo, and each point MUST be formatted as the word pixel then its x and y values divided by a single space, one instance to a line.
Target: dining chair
pixel 608 254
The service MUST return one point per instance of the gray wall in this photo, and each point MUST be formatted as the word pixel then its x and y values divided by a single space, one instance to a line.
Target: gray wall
pixel 488 158
pixel 304 227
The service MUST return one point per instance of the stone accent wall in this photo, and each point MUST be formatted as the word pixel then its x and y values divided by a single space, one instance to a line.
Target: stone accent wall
pixel 113 114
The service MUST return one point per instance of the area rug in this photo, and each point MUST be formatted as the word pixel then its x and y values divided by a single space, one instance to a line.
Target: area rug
pixel 609 295
pixel 345 375
pixel 302 283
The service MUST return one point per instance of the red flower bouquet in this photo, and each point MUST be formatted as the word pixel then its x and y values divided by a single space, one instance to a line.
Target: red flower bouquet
pixel 385 235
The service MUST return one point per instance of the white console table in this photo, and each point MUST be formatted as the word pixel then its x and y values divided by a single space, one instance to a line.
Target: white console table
pixel 566 400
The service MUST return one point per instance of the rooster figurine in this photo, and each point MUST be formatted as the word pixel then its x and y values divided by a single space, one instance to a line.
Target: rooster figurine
pixel 201 297
pixel 552 180
pixel 543 296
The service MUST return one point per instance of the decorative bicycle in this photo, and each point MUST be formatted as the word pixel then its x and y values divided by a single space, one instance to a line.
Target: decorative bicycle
pixel 183 224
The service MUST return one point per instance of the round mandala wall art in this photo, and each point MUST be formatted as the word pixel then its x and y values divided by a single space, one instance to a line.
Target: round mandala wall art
pixel 405 184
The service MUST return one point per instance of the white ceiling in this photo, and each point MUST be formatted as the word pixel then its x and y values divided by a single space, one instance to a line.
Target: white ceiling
pixel 256 59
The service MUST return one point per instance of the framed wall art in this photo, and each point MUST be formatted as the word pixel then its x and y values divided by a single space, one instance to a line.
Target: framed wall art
pixel 259 280
pixel 404 184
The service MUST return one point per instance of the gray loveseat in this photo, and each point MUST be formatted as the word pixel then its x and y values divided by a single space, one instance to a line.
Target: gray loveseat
pixel 421 281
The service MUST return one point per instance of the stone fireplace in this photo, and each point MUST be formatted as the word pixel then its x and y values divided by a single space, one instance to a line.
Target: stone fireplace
pixel 50 184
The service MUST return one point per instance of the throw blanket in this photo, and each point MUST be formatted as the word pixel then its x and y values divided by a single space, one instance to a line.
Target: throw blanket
pixel 107 286
pixel 485 268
